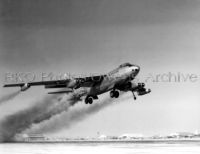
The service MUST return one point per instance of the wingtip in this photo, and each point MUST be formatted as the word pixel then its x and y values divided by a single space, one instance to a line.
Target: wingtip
pixel 6 85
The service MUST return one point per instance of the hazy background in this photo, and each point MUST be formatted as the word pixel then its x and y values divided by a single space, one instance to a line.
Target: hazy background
pixel 95 36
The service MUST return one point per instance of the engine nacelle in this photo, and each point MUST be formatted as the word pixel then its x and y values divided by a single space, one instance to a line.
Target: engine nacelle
pixel 25 87
pixel 72 84
pixel 132 86
pixel 141 85
pixel 143 91
pixel 137 86
pixel 128 86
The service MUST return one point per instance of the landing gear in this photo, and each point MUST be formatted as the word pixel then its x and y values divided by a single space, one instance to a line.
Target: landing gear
pixel 114 93
pixel 88 100
pixel 95 97
pixel 134 96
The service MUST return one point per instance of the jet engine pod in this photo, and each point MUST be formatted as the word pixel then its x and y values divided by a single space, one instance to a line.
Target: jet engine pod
pixel 25 87
pixel 141 85
pixel 143 91
pixel 72 83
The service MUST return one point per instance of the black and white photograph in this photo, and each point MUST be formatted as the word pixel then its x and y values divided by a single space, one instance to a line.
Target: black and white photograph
pixel 99 76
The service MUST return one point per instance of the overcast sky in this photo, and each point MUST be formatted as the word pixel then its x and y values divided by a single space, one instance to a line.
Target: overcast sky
pixel 95 36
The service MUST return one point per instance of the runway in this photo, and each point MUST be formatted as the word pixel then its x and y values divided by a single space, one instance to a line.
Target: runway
pixel 99 148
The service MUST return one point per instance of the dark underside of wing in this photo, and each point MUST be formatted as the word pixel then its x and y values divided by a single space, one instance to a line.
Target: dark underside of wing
pixel 41 83
pixel 69 83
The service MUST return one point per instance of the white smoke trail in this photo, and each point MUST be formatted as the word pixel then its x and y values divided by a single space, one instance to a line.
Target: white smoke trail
pixel 8 97
pixel 42 110
pixel 18 122
pixel 73 116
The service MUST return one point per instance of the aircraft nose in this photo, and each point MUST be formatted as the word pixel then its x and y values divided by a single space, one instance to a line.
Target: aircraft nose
pixel 136 69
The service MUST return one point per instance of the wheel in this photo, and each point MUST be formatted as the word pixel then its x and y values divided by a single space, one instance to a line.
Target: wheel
pixel 134 95
pixel 112 94
pixel 89 100
pixel 116 94
pixel 86 101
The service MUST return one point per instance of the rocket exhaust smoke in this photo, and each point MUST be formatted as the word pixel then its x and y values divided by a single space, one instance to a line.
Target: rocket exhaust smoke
pixel 41 111
pixel 73 116
pixel 18 122
pixel 45 109
pixel 8 97
pixel 60 105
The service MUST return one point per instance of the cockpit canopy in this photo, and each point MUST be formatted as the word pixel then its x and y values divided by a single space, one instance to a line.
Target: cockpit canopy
pixel 125 65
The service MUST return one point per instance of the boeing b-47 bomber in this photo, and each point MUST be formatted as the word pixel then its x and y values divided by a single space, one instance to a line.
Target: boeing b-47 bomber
pixel 119 79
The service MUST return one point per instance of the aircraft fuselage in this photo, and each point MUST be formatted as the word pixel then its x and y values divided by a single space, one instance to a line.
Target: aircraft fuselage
pixel 116 77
